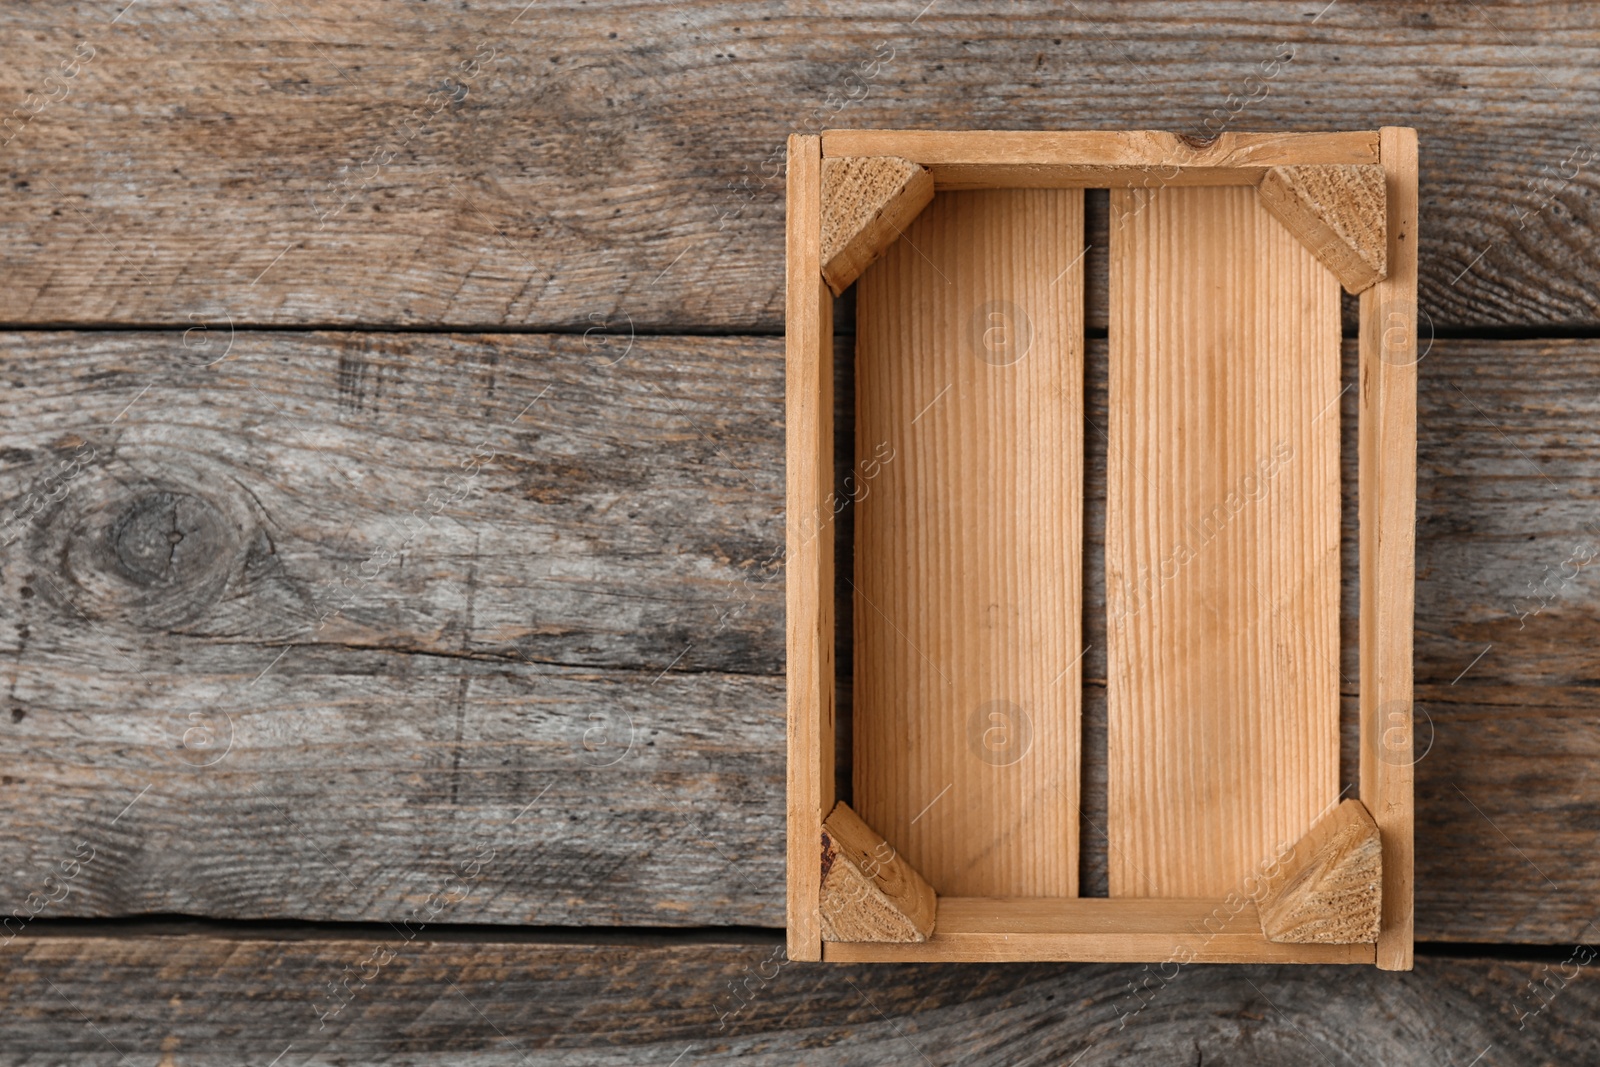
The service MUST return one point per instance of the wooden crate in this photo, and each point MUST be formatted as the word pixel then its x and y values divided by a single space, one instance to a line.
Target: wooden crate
pixel 1229 838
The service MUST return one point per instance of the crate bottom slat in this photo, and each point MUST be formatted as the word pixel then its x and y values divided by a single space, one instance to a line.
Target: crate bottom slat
pixel 1095 930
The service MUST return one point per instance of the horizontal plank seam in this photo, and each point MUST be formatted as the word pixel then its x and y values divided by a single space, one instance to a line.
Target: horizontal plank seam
pixel 177 925
pixel 163 927
pixel 844 328
pixel 553 329
pixel 487 657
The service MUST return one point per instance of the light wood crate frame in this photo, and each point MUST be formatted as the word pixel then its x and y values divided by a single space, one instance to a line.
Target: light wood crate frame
pixel 869 905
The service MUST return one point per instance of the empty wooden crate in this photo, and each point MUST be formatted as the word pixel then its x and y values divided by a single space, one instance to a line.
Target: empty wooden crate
pixel 1228 835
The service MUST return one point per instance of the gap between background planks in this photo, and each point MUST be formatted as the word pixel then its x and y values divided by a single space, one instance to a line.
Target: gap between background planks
pixel 967 693
pixel 1387 501
pixel 1222 537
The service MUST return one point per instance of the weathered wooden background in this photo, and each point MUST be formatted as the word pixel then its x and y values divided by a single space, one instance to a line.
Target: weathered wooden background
pixel 391 475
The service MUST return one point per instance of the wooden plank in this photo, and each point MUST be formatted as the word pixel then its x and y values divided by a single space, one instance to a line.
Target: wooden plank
pixel 636 510
pixel 444 594
pixel 1505 852
pixel 1077 159
pixel 1222 541
pixel 1388 493
pixel 206 998
pixel 558 181
pixel 808 371
pixel 968 543
pixel 1097 930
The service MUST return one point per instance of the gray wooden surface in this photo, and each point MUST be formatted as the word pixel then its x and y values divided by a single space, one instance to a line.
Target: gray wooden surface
pixel 530 165
pixel 212 999
pixel 429 572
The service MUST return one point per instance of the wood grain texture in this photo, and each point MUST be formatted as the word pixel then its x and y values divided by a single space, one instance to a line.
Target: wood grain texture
pixel 1507 800
pixel 867 202
pixel 1332 887
pixel 203 1000
pixel 355 609
pixel 968 543
pixel 1389 346
pixel 869 891
pixel 1222 541
pixel 1339 213
pixel 977 159
pixel 578 174
pixel 1171 932
pixel 1507 723
pixel 808 564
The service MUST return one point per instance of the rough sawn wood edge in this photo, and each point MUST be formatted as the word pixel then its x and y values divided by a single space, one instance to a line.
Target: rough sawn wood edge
pixel 869 892
pixel 867 202
pixel 1339 212
pixel 1330 891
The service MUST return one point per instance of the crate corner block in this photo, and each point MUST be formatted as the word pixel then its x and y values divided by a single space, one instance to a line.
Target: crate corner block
pixel 1338 211
pixel 867 201
pixel 869 892
pixel 1331 891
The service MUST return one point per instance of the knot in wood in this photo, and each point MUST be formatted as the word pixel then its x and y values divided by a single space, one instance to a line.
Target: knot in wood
pixel 155 556
pixel 170 539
